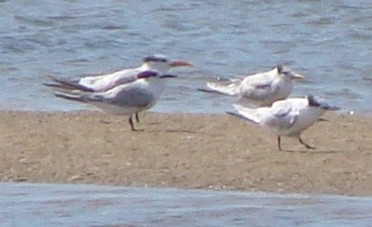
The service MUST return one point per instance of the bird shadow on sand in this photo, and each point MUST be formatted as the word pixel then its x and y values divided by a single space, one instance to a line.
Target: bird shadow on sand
pixel 180 130
pixel 154 123
pixel 314 152
pixel 169 130
pixel 107 122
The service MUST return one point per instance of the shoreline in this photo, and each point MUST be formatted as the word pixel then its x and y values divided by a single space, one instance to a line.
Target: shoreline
pixel 185 150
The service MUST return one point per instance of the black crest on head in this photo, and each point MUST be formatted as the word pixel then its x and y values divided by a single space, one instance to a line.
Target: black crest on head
pixel 147 74
pixel 279 68
pixel 312 101
pixel 154 59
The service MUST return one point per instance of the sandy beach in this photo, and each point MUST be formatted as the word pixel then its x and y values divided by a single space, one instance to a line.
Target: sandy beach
pixel 216 152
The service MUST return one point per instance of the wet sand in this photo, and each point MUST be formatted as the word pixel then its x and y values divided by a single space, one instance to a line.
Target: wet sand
pixel 185 151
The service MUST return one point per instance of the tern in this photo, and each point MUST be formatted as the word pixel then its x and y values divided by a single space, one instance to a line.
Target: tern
pixel 287 117
pixel 260 89
pixel 101 83
pixel 124 99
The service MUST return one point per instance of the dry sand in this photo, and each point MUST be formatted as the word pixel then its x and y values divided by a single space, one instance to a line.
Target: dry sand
pixel 185 151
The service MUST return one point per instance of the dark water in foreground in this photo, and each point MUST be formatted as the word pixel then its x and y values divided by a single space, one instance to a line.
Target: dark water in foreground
pixel 84 205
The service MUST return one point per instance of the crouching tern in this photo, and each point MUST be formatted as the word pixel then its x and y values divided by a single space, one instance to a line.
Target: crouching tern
pixel 123 99
pixel 102 83
pixel 287 117
pixel 260 89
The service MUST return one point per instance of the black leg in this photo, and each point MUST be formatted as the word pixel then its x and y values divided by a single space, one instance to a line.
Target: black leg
pixel 131 123
pixel 305 144
pixel 279 145
pixel 137 118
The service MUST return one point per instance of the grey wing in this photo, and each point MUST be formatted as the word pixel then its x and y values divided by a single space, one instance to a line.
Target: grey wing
pixel 107 82
pixel 258 89
pixel 126 79
pixel 128 97
pixel 283 115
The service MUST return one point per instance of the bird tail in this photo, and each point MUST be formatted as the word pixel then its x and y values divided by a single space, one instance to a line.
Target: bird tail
pixel 66 84
pixel 251 115
pixel 229 89
pixel 71 95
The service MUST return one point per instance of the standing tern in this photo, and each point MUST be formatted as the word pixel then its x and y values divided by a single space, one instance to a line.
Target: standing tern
pixel 287 117
pixel 261 89
pixel 123 99
pixel 106 82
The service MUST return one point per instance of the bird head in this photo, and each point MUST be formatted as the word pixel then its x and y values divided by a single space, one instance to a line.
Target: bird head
pixel 153 74
pixel 162 64
pixel 317 103
pixel 288 74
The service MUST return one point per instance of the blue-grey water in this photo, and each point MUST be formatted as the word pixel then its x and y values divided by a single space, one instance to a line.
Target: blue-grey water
pixel 91 205
pixel 330 42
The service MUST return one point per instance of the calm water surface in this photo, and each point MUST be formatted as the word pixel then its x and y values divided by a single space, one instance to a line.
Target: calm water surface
pixel 87 205
pixel 328 41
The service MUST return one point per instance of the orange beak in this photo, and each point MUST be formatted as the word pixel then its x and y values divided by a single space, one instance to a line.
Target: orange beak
pixel 297 76
pixel 180 63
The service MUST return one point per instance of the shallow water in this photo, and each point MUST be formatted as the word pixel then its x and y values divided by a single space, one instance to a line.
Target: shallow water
pixel 83 205
pixel 328 41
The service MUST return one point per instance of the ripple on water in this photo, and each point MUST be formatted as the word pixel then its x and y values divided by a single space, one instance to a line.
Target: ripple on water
pixel 47 204
pixel 324 40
